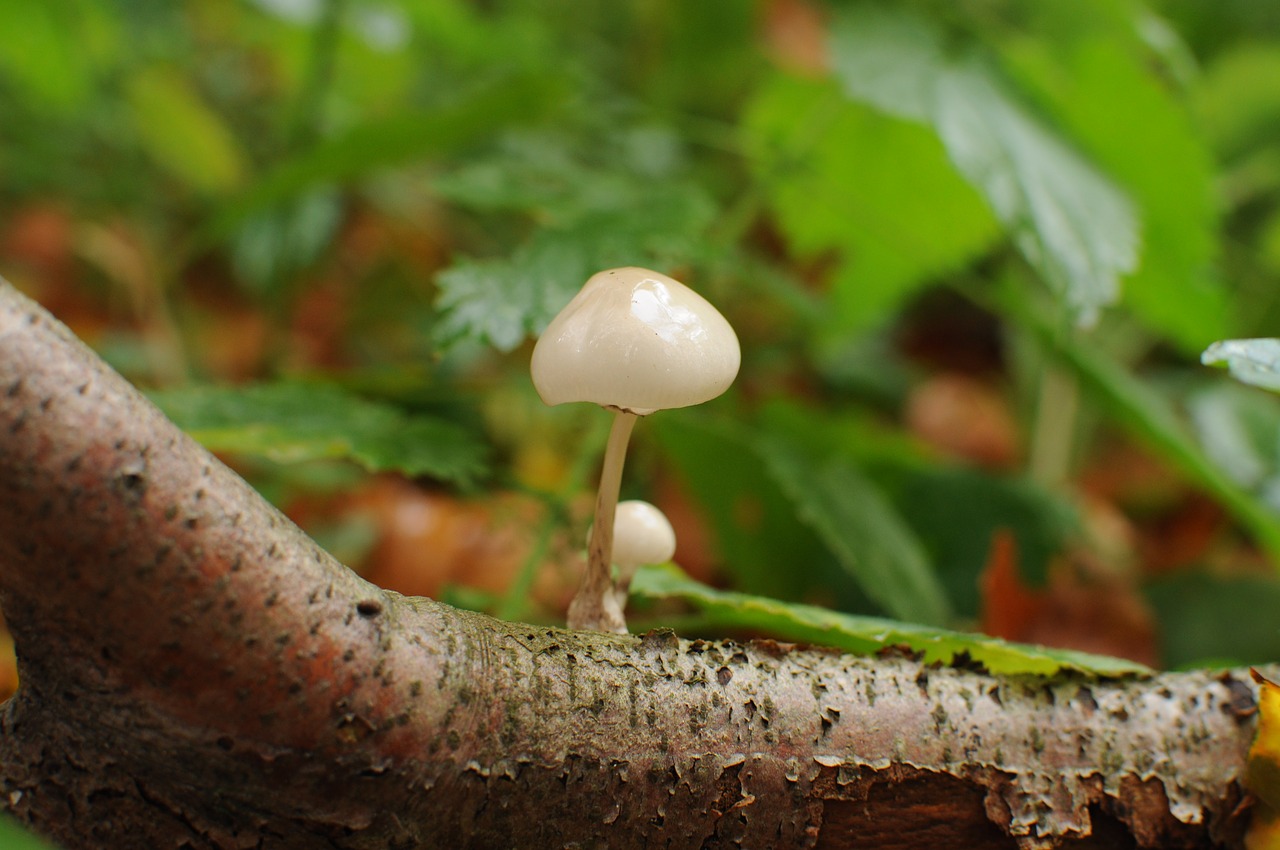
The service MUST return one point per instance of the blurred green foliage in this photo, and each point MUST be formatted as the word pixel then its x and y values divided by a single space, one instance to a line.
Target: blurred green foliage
pixel 367 208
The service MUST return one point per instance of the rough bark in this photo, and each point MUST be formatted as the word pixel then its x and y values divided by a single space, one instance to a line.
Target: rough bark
pixel 197 673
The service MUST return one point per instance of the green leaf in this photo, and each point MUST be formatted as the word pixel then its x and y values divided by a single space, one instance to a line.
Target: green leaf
pixel 1139 407
pixel 182 133
pixel 1068 220
pixel 1238 429
pixel 54 51
pixel 1216 619
pixel 955 513
pixel 502 301
pixel 292 422
pixel 382 143
pixel 1253 361
pixel 15 837
pixel 878 190
pixel 867 535
pixel 1120 107
pixel 756 529
pixel 867 635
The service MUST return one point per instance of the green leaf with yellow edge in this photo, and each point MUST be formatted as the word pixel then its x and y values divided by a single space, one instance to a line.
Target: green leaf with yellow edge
pixel 291 422
pixel 867 635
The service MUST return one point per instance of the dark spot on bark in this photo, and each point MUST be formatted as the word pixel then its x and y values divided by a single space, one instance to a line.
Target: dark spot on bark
pixel 1084 696
pixel 454 740
pixel 271 551
pixel 1241 702
pixel 295 689
pixel 235 564
pixel 415 688
pixel 45 402
pixel 74 463
pixel 83 388
pixel 191 523
pixel 939 716
pixel 14 388
pixel 272 599
pixel 18 423
pixel 724 675
pixel 922 682
pixel 225 743
pixel 171 512
pixel 368 607
pixel 348 655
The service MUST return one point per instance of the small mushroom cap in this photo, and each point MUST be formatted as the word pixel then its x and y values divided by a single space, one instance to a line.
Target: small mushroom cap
pixel 641 535
pixel 638 341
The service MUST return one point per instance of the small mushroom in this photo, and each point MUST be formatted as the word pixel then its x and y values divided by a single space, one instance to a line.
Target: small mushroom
pixel 642 534
pixel 632 341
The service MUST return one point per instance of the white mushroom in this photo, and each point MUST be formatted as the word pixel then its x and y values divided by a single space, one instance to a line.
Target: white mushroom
pixel 642 534
pixel 633 341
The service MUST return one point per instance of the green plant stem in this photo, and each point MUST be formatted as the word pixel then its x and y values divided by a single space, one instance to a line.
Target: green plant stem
pixel 593 606
pixel 1057 409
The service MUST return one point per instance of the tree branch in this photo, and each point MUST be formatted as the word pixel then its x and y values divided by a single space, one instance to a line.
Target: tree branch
pixel 197 673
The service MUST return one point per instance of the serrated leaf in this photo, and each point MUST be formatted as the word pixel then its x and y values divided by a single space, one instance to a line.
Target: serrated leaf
pixel 502 301
pixel 291 422
pixel 867 635
pixel 1121 108
pixel 861 527
pixel 878 190
pixel 387 142
pixel 1069 221
pixel 1252 361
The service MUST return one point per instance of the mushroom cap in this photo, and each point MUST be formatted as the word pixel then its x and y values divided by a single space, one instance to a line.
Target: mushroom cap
pixel 641 535
pixel 635 340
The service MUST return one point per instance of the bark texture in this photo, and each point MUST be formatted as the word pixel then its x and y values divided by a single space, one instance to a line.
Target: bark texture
pixel 197 673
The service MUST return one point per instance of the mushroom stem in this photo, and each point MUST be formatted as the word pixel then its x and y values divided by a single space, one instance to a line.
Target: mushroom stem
pixel 594 606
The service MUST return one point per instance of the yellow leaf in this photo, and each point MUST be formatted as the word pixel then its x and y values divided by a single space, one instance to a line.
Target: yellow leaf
pixel 1262 776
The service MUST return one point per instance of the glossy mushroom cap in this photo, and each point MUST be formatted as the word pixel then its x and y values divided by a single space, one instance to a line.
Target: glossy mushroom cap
pixel 641 535
pixel 637 341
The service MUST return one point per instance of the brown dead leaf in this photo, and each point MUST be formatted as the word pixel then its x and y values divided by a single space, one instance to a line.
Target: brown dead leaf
pixel 1083 607
pixel 966 418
